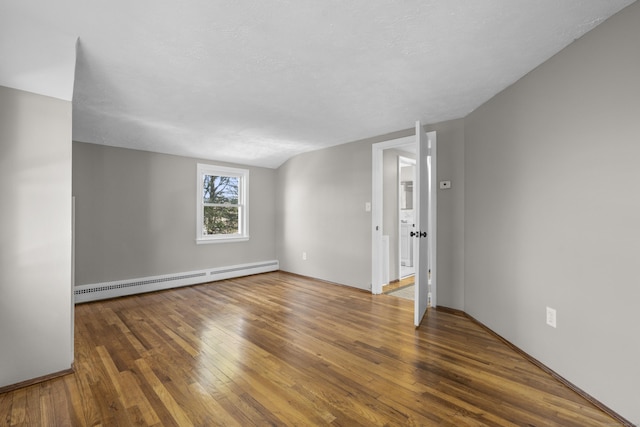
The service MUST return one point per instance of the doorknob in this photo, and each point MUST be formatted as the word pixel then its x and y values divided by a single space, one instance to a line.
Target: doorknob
pixel 418 234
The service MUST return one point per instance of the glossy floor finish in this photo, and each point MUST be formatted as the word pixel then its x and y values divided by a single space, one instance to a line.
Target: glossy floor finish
pixel 278 349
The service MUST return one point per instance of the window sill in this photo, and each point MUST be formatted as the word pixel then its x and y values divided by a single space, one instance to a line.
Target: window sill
pixel 208 240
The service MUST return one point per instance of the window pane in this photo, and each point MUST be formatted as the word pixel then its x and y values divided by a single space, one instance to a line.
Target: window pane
pixel 220 189
pixel 222 212
pixel 220 220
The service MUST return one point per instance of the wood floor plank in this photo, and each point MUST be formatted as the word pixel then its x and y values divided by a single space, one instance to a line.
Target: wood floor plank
pixel 278 349
pixel 18 408
pixel 168 401
pixel 33 405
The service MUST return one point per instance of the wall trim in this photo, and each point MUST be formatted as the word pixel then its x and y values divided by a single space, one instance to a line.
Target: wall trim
pixel 453 311
pixel 328 282
pixel 545 368
pixel 37 380
pixel 118 288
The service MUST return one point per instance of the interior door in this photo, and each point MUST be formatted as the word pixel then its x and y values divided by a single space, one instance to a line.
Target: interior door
pixel 421 212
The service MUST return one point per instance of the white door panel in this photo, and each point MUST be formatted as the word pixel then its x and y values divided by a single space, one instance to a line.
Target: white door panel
pixel 421 212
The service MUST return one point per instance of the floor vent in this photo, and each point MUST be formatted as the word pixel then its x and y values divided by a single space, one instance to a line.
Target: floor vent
pixel 98 291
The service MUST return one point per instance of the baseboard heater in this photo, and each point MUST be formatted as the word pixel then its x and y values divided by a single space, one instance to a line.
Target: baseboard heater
pixel 104 290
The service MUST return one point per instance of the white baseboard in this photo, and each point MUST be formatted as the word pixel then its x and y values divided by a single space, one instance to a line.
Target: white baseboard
pixel 104 290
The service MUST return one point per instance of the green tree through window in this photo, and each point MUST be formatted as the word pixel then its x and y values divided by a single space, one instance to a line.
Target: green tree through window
pixel 220 205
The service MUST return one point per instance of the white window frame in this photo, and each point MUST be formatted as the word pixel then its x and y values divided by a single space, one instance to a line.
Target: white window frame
pixel 243 204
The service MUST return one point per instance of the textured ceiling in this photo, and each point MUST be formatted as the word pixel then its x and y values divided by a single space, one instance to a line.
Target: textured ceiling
pixel 258 81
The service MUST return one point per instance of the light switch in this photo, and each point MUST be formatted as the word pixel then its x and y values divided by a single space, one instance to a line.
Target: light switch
pixel 367 207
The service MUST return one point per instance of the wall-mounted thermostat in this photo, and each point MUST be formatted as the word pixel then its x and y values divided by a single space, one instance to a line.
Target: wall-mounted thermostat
pixel 445 185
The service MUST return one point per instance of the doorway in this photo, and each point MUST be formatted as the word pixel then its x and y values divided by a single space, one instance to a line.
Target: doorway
pixel 398 224
pixel 385 207
pixel 406 174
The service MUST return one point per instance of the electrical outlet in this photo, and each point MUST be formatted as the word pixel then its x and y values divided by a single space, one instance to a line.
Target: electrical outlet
pixel 304 256
pixel 551 317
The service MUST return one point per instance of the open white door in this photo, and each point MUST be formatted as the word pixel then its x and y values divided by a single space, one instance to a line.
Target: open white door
pixel 425 266
pixel 421 213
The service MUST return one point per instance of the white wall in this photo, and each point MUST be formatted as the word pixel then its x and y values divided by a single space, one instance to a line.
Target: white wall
pixel 35 224
pixel 552 211
pixel 136 216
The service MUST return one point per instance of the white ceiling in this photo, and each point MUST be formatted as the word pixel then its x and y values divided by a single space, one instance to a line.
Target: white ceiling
pixel 258 81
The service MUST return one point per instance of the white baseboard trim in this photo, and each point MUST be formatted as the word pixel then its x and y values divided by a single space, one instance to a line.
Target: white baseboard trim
pixel 104 290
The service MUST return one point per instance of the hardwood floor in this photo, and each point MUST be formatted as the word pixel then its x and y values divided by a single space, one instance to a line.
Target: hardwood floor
pixel 398 284
pixel 279 349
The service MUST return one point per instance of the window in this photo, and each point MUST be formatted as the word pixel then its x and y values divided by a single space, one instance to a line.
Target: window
pixel 222 204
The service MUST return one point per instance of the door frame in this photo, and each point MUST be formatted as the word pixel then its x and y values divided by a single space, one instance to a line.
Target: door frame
pixel 377 150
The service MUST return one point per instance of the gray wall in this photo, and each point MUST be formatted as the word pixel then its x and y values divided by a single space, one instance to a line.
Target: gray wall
pixel 451 139
pixel 321 210
pixel 35 224
pixel 552 211
pixel 136 216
